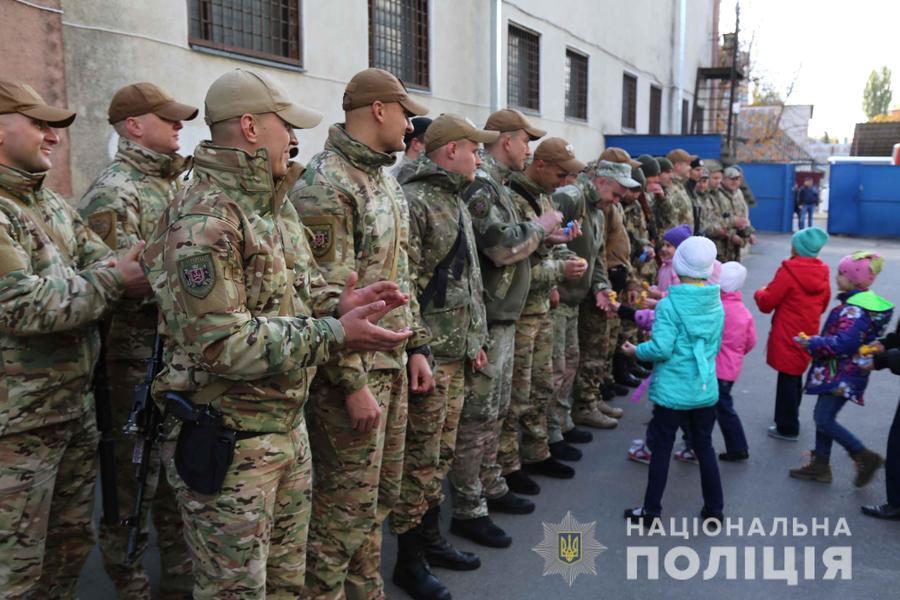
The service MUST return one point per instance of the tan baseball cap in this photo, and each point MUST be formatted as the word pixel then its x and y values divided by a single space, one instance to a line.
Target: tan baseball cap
pixel 144 97
pixel 679 155
pixel 619 155
pixel 242 91
pixel 558 151
pixel 21 98
pixel 451 128
pixel 509 119
pixel 373 85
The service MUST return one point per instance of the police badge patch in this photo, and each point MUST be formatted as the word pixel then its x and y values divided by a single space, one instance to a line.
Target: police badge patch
pixel 103 223
pixel 197 275
pixel 321 237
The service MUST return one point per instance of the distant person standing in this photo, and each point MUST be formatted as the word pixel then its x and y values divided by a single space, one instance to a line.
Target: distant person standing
pixel 414 142
pixel 808 200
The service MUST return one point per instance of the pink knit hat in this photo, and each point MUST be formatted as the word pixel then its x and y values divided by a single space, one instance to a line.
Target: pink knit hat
pixel 861 268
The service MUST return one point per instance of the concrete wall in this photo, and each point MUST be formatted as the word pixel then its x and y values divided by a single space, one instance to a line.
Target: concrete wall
pixel 31 44
pixel 106 49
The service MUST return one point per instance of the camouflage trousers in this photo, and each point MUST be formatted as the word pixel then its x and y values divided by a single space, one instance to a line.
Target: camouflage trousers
pixel 131 580
pixel 596 340
pixel 475 472
pixel 47 478
pixel 564 319
pixel 430 444
pixel 532 389
pixel 249 541
pixel 357 484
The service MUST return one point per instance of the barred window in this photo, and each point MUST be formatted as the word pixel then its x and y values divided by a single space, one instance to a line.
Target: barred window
pixel 576 85
pixel 629 101
pixel 267 29
pixel 523 80
pixel 685 117
pixel 398 39
pixel 655 110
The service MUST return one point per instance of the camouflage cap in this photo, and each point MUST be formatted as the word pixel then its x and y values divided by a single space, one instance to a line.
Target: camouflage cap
pixel 679 155
pixel 731 173
pixel 509 119
pixel 451 128
pixel 713 165
pixel 372 85
pixel 637 174
pixel 21 98
pixel 242 91
pixel 665 165
pixel 619 155
pixel 560 152
pixel 620 172
pixel 649 165
pixel 144 97
pixel 704 173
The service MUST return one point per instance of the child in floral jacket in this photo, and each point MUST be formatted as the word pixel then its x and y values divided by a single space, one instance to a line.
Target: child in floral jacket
pixel 838 372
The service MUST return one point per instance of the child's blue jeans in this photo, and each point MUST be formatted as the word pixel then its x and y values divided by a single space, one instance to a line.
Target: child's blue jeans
pixel 829 430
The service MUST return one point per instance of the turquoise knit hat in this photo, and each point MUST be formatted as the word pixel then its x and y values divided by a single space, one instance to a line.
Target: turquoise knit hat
pixel 808 242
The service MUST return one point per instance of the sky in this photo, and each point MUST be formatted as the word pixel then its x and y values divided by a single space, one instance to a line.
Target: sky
pixel 827 48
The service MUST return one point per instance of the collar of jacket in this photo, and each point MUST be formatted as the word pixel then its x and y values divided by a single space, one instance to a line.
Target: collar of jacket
pixel 235 169
pixel 521 181
pixel 493 167
pixel 427 169
pixel 21 184
pixel 586 183
pixel 148 162
pixel 358 154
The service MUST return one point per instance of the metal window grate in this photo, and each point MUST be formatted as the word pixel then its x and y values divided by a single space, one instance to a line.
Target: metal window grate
pixel 267 29
pixel 398 39
pixel 629 101
pixel 576 85
pixel 523 82
pixel 685 114
pixel 655 110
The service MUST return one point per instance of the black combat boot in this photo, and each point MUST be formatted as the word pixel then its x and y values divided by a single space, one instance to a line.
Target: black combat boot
pixel 621 373
pixel 412 573
pixel 438 551
pixel 481 531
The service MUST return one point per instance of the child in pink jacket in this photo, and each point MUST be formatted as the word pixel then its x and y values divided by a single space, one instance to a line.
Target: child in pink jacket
pixel 738 339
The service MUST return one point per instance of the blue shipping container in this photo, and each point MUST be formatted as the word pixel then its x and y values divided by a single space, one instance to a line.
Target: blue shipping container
pixel 772 185
pixel 704 146
pixel 864 200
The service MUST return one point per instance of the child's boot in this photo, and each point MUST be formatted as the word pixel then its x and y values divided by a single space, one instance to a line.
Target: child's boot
pixel 817 469
pixel 867 462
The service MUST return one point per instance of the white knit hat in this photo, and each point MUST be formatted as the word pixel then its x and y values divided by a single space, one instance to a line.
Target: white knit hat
pixel 734 274
pixel 694 257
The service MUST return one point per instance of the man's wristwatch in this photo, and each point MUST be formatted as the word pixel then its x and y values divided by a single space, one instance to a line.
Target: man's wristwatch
pixel 424 350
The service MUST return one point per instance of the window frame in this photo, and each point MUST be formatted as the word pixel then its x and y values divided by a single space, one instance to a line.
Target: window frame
pixel 685 116
pixel 629 112
pixel 656 93
pixel 425 51
pixel 587 84
pixel 526 31
pixel 204 45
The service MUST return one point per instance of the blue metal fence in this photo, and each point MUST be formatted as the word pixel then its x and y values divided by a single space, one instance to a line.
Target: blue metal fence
pixel 772 185
pixel 864 200
pixel 705 146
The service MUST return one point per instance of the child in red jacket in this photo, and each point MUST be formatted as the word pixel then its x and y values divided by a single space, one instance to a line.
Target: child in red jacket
pixel 799 294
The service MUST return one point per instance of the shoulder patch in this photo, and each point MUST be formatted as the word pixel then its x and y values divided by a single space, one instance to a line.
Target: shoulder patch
pixel 322 230
pixel 103 223
pixel 197 275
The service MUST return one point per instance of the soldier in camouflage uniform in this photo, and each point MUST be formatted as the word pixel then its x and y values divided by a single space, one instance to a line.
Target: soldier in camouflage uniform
pixel 717 228
pixel 443 263
pixel 505 240
pixel 359 218
pixel 123 206
pixel 237 289
pixel 57 278
pixel 663 209
pixel 532 378
pixel 414 142
pixel 736 214
pixel 677 192
pixel 642 247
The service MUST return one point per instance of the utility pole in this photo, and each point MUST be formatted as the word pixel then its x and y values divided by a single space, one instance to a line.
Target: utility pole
pixel 734 57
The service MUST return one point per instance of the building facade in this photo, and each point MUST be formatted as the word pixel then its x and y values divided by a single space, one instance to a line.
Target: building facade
pixel 578 68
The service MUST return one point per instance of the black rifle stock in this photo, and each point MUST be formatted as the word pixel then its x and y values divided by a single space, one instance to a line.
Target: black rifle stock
pixel 106 448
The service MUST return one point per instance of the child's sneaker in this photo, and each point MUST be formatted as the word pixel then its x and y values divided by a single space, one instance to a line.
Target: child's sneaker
pixel 686 455
pixel 639 452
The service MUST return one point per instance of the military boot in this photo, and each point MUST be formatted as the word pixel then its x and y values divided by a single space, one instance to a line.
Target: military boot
pixel 592 417
pixel 412 573
pixel 438 551
pixel 621 373
pixel 817 469
pixel 867 462
pixel 609 411
pixel 482 531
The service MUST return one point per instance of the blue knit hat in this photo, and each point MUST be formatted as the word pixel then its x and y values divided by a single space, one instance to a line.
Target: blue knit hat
pixel 678 234
pixel 808 242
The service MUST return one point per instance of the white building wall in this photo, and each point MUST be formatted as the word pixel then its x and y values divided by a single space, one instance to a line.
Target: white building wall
pixel 148 41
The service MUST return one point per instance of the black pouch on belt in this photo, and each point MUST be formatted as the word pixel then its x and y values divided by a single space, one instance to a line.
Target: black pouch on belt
pixel 205 448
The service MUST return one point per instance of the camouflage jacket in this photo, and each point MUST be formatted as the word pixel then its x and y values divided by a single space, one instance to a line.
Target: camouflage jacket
pixel 123 206
pixel 547 263
pixel 663 214
pixel 54 285
pixel 359 220
pixel 723 219
pixel 579 201
pixel 437 216
pixel 237 287
pixel 504 239
pixel 404 169
pixel 737 206
pixel 682 207
pixel 636 227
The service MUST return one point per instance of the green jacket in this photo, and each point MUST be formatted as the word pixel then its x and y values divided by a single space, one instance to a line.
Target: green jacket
pixel 237 287
pixel 505 239
pixel 437 217
pixel 54 286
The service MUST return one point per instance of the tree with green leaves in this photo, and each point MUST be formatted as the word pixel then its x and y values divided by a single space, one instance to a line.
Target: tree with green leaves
pixel 877 95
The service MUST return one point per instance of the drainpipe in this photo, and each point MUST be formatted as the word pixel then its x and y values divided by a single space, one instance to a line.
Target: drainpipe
pixel 496 53
pixel 679 94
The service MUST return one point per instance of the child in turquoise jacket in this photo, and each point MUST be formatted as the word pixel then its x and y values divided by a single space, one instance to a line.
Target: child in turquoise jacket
pixel 685 340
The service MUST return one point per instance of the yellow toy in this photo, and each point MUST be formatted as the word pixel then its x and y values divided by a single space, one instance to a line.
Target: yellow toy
pixel 868 349
pixel 613 297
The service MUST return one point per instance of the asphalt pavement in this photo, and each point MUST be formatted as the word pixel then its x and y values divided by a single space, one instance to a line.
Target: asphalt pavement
pixel 606 483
